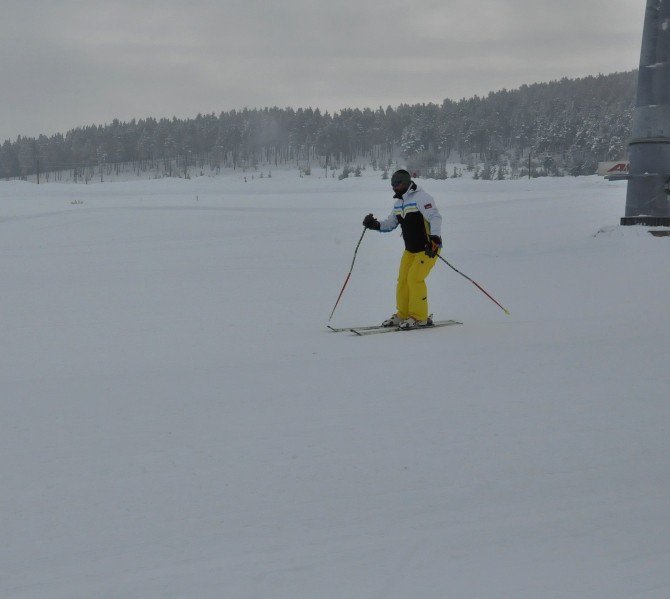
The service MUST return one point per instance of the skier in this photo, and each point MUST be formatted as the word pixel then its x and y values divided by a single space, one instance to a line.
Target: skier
pixel 415 211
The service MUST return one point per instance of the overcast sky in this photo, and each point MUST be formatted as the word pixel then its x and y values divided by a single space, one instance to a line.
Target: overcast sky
pixel 66 63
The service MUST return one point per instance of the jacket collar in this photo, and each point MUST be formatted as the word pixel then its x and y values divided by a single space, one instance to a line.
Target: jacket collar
pixel 410 190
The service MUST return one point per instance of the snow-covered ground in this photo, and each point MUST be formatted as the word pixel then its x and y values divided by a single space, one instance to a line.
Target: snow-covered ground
pixel 176 421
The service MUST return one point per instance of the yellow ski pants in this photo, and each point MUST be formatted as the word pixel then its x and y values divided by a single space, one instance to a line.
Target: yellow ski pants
pixel 411 292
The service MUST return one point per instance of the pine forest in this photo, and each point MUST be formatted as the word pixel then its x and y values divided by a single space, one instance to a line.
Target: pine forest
pixel 558 128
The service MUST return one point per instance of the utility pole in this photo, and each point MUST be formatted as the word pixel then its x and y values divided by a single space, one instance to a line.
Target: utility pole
pixel 648 196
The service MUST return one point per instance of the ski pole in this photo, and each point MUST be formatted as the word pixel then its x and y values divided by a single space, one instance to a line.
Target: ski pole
pixel 474 283
pixel 347 279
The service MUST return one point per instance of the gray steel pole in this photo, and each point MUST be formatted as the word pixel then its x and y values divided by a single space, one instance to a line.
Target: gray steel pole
pixel 648 196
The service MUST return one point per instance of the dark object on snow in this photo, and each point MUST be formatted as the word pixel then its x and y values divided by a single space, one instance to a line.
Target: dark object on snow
pixel 648 197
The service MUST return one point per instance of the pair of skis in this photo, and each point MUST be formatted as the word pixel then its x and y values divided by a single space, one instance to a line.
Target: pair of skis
pixel 376 329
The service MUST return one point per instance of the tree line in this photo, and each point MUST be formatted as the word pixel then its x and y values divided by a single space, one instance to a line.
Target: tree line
pixel 564 126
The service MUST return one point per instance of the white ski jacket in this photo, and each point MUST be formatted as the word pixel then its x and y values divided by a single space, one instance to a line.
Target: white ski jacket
pixel 418 217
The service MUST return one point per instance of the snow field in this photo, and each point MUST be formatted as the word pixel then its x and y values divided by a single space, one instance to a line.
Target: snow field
pixel 175 420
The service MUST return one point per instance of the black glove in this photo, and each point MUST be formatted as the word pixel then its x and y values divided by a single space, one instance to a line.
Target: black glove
pixel 434 244
pixel 370 222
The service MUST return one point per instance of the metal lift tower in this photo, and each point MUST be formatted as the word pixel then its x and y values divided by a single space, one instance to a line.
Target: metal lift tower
pixel 648 197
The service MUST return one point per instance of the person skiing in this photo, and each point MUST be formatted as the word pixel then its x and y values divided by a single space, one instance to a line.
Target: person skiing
pixel 421 223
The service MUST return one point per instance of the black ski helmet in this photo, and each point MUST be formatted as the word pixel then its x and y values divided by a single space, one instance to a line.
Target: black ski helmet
pixel 400 176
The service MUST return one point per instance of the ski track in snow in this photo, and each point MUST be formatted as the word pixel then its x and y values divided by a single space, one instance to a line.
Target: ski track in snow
pixel 176 420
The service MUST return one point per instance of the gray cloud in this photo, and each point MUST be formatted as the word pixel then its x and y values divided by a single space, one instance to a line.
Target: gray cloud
pixel 79 62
